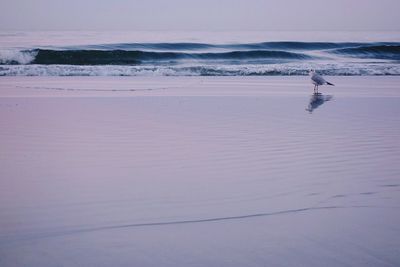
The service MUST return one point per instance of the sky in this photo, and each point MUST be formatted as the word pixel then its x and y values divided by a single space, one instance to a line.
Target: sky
pixel 289 15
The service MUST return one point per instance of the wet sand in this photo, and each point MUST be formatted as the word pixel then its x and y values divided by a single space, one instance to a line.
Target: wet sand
pixel 199 171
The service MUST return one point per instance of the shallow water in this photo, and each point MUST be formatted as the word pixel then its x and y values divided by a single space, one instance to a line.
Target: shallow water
pixel 178 180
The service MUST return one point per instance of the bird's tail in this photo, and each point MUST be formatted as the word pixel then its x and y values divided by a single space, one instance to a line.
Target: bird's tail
pixel 328 83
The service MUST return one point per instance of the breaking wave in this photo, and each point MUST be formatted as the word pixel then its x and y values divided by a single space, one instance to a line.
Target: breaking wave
pixel 391 52
pixel 123 57
pixel 194 59
pixel 11 57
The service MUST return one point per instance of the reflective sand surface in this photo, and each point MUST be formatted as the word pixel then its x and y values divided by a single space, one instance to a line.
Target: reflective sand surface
pixel 199 172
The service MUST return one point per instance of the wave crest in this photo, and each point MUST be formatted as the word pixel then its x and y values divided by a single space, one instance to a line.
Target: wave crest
pixel 374 51
pixel 14 57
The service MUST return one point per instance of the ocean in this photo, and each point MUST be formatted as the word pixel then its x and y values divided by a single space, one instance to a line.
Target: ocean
pixel 198 53
pixel 206 152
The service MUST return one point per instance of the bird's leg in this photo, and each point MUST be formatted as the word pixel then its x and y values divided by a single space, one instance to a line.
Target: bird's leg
pixel 314 87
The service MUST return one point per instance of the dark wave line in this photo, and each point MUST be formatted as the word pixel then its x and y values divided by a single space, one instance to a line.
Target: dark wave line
pixel 174 53
pixel 124 57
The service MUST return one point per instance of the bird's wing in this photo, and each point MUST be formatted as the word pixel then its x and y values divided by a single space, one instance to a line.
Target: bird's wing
pixel 318 79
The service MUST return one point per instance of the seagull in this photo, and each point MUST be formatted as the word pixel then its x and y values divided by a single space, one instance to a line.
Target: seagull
pixel 318 80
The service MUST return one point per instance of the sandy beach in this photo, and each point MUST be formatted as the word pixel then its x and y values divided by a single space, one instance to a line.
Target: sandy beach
pixel 199 171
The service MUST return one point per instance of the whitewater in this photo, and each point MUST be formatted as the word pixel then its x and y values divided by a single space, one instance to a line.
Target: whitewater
pixel 179 55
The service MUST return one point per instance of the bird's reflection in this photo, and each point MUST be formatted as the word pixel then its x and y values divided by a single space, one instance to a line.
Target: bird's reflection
pixel 317 100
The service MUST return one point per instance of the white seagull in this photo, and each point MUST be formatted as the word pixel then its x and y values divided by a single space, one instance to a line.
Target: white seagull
pixel 318 80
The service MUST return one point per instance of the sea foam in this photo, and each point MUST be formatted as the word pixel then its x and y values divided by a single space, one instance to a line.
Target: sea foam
pixel 10 56
pixel 295 69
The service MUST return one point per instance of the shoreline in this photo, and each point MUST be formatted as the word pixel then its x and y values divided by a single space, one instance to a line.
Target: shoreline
pixel 83 86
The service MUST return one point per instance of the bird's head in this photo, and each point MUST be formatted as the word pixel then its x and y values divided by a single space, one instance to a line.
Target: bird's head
pixel 311 72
